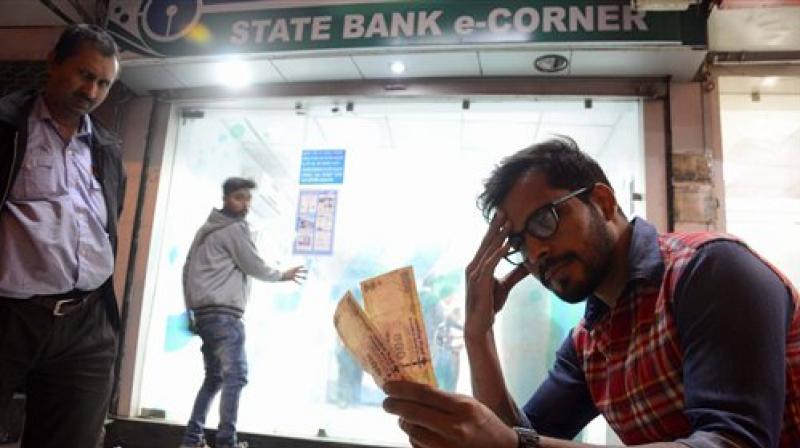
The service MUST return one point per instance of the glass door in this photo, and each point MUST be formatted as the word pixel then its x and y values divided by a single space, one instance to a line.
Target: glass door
pixel 412 169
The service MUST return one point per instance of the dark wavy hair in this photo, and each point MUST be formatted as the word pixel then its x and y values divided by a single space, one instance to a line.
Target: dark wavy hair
pixel 232 184
pixel 559 159
pixel 71 39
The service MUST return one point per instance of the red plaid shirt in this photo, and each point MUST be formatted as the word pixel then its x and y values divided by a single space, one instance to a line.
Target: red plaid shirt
pixel 632 357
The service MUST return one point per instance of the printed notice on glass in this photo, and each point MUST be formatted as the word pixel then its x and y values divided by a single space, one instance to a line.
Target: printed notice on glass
pixel 316 216
pixel 322 166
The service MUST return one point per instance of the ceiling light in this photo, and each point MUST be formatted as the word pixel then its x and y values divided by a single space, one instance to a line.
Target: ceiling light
pixel 551 63
pixel 398 67
pixel 769 81
pixel 233 73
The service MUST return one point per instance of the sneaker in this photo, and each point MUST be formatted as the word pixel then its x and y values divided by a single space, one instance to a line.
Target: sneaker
pixel 238 445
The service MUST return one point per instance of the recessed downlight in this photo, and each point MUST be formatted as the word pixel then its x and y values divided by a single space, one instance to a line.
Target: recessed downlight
pixel 234 73
pixel 397 67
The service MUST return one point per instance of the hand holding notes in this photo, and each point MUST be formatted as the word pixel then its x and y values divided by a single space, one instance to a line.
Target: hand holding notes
pixel 389 339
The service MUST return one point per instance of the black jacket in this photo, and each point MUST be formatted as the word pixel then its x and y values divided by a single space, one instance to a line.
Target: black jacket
pixel 106 150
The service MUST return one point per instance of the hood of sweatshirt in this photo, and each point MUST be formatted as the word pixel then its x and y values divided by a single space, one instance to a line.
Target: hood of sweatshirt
pixel 216 220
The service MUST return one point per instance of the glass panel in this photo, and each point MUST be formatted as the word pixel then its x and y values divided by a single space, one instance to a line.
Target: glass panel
pixel 761 154
pixel 413 169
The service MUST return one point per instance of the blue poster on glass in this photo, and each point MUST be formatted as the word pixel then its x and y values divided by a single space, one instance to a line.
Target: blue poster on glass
pixel 322 166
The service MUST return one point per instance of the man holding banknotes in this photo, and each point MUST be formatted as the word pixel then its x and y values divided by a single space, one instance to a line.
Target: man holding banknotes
pixel 688 339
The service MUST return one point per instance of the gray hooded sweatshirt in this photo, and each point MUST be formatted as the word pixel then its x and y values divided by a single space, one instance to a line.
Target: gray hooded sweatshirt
pixel 222 256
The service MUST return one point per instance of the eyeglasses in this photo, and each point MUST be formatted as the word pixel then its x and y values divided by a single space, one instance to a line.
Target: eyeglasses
pixel 542 223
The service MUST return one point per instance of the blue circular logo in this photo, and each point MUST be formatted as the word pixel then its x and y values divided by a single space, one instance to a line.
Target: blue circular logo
pixel 170 20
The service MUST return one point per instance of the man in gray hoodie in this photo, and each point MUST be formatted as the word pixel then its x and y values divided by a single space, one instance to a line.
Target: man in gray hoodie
pixel 215 285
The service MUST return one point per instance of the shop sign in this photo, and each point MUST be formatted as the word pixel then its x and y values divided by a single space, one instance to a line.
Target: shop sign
pixel 167 28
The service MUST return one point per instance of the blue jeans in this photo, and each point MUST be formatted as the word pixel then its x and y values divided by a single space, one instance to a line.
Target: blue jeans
pixel 226 369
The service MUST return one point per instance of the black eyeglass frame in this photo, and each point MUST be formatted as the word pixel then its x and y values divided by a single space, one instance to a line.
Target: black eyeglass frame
pixel 518 240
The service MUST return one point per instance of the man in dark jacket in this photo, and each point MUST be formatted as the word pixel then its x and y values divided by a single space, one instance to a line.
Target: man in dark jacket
pixel 61 192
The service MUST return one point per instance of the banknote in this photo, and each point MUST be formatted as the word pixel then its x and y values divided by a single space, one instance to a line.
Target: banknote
pixel 364 342
pixel 392 304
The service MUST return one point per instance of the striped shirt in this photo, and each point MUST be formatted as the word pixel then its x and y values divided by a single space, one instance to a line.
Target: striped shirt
pixel 53 226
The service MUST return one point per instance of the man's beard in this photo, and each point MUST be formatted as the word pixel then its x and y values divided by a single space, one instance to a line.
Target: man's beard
pixel 596 264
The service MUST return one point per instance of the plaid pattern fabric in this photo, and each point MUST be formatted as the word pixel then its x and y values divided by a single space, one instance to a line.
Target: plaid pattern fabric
pixel 632 357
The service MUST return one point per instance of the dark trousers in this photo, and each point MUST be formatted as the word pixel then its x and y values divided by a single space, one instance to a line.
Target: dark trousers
pixel 64 364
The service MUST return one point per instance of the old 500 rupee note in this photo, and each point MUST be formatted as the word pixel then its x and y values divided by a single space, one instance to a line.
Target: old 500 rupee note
pixel 392 304
pixel 363 341
pixel 393 324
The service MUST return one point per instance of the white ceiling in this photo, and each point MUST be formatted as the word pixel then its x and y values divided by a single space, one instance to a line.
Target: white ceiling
pixel 754 29
pixel 769 85
pixel 680 63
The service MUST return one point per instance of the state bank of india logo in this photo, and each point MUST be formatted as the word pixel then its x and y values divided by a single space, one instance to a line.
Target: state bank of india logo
pixel 144 27
pixel 169 20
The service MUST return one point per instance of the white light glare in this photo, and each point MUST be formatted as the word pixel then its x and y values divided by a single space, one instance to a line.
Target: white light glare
pixel 397 67
pixel 233 73
pixel 769 81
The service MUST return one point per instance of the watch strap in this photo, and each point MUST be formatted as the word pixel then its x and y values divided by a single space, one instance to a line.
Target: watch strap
pixel 528 437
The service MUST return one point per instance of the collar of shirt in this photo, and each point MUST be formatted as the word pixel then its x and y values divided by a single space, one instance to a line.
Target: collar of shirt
pixel 42 113
pixel 644 264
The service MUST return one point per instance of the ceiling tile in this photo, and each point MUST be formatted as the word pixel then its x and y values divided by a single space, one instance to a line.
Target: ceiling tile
pixel 763 85
pixel 317 69
pixel 439 64
pixel 516 63
pixel 197 74
pixel 142 78
pixel 754 29
pixel 681 63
